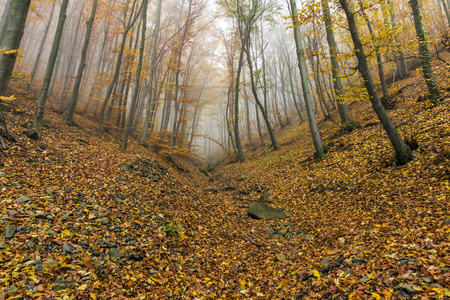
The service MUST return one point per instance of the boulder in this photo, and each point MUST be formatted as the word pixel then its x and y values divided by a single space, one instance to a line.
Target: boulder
pixel 259 210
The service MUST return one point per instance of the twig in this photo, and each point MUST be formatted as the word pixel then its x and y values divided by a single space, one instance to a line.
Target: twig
pixel 251 240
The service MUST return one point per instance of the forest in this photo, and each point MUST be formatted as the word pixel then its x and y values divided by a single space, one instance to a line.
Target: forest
pixel 224 149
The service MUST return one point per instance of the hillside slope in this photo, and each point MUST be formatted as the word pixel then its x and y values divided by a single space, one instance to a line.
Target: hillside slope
pixel 81 219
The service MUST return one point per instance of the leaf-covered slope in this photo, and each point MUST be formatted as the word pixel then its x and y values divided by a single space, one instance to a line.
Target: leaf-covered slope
pixel 95 222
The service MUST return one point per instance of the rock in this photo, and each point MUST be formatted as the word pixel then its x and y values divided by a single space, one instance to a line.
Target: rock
pixel 40 215
pixel 407 288
pixel 366 279
pixel 38 268
pixel 358 260
pixel 325 261
pixel 52 232
pixel 59 285
pixel 50 262
pixel 10 230
pixel 288 213
pixel 31 244
pixel 114 252
pixel 2 174
pixel 5 217
pixel 3 245
pixel 64 218
pixel 31 134
pixel 270 231
pixel 22 199
pixel 281 257
pixel 426 279
pixel 266 197
pixel 104 221
pixel 436 285
pixel 49 191
pixel 66 248
pixel 12 289
pixel 447 221
pixel 99 267
pixel 259 210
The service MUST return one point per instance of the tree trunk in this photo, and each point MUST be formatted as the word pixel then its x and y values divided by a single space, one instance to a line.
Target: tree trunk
pixel 138 78
pixel 402 67
pixel 237 138
pixel 11 41
pixel 127 28
pixel 377 52
pixel 41 46
pixel 425 54
pixel 39 115
pixel 404 153
pixel 447 13
pixel 318 144
pixel 74 97
pixel 4 21
pixel 337 82
pixel 152 72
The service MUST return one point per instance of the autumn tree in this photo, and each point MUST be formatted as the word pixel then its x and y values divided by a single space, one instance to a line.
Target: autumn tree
pixel 425 55
pixel 317 139
pixel 39 114
pixel 14 27
pixel 404 153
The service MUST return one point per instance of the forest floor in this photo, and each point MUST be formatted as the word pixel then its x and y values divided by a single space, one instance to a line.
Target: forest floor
pixel 80 219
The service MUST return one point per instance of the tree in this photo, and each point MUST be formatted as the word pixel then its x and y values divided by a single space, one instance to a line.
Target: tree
pixel 317 139
pixel 41 46
pixel 39 114
pixel 10 44
pixel 138 77
pixel 4 21
pixel 402 67
pixel 74 97
pixel 404 153
pixel 133 18
pixel 152 72
pixel 425 55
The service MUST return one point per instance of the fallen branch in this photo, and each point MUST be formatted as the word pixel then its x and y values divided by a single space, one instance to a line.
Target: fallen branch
pixel 251 240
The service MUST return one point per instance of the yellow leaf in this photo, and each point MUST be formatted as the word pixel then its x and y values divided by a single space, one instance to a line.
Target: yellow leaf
pixel 242 282
pixel 66 233
pixel 93 296
pixel 376 296
pixel 82 287
pixel 316 273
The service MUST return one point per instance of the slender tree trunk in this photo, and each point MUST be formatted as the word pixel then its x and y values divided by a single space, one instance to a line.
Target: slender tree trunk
pixel 11 41
pixel 402 67
pixel 152 72
pixel 4 21
pixel 177 78
pixel 404 153
pixel 337 82
pixel 128 26
pixel 41 46
pixel 446 9
pixel 425 54
pixel 377 52
pixel 74 97
pixel 138 77
pixel 318 144
pixel 39 115
pixel 237 138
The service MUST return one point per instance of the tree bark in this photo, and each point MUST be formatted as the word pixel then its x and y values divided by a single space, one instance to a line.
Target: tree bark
pixel 11 41
pixel 404 153
pixel 138 78
pixel 4 21
pixel 152 72
pixel 317 139
pixel 41 46
pixel 337 82
pixel 74 97
pixel 425 55
pixel 39 115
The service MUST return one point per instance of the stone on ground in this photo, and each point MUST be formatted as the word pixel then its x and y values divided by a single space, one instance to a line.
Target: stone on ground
pixel 259 210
